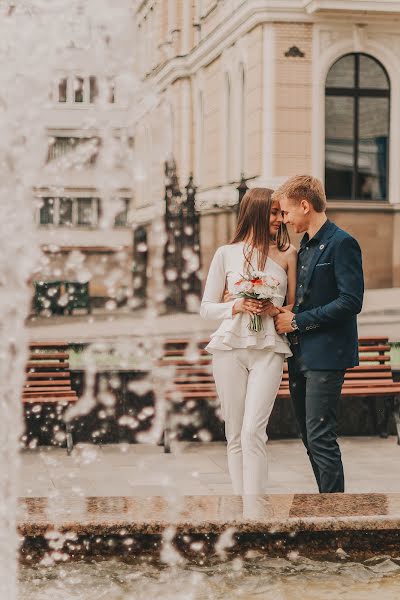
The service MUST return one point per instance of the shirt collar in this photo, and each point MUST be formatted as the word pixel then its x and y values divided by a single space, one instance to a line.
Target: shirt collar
pixel 317 236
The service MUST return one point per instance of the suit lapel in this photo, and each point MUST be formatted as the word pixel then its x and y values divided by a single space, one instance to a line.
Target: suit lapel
pixel 318 252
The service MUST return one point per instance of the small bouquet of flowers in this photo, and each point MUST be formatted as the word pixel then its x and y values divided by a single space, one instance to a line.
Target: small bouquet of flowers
pixel 260 286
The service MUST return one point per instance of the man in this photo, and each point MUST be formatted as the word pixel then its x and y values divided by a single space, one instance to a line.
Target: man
pixel 322 325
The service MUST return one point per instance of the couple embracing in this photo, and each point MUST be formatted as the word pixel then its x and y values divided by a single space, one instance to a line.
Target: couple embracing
pixel 310 320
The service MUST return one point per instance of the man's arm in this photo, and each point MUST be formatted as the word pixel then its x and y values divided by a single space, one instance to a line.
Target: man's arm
pixel 350 284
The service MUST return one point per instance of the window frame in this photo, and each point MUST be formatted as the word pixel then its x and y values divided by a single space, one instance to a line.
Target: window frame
pixel 75 200
pixel 356 93
pixel 91 89
pixel 65 144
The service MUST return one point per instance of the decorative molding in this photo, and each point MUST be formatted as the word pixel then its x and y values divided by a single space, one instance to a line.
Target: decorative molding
pixel 388 40
pixel 210 10
pixel 388 6
pixel 359 35
pixel 359 206
pixel 329 37
pixel 230 31
pixel 218 197
pixel 295 52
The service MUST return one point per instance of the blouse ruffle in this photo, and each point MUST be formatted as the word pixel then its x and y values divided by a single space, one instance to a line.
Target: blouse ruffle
pixel 234 333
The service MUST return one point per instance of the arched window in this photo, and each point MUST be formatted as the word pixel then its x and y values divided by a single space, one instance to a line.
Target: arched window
pixel 242 125
pixel 357 98
pixel 228 133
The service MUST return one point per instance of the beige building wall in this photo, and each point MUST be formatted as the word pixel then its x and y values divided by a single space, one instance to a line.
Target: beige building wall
pixel 286 53
pixel 216 229
pixel 374 232
pixel 293 98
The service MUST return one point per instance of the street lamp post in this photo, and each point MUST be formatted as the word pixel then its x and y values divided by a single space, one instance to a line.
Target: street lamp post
pixel 242 189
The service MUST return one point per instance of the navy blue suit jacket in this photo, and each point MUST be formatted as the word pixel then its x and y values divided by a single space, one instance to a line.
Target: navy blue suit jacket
pixel 332 297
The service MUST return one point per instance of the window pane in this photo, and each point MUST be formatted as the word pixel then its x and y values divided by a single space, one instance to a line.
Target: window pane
pixel 94 90
pixel 65 217
pixel 373 148
pixel 78 89
pixel 121 218
pixel 79 151
pixel 85 212
pixel 339 151
pixel 58 147
pixel 62 90
pixel 372 75
pixel 342 73
pixel 111 91
pixel 46 216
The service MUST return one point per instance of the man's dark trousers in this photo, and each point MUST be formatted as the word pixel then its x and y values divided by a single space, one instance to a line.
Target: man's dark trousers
pixel 315 396
pixel 329 295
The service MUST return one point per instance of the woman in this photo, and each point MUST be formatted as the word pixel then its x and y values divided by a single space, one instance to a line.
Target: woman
pixel 247 365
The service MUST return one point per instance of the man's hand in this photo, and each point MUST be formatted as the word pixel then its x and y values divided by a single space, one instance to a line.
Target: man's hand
pixel 283 321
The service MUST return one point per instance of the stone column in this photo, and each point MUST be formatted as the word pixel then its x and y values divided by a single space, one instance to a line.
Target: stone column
pixel 396 247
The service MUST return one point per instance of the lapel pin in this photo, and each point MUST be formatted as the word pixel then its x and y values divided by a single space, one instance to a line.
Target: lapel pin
pixel 321 247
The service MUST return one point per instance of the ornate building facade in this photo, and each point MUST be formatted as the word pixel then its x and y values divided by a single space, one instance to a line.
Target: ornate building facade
pixel 269 89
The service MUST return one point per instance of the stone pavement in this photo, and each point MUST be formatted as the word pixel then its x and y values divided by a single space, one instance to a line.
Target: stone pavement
pixel 380 316
pixel 371 465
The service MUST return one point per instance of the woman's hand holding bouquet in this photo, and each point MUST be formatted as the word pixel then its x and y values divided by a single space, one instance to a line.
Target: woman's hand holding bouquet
pixel 256 292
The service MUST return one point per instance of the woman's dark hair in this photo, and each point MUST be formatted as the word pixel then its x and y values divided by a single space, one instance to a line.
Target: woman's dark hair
pixel 253 224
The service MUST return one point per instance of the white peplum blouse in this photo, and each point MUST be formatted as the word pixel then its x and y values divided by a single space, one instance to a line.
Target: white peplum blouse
pixel 227 267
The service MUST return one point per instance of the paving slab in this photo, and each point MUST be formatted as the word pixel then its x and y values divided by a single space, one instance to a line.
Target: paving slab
pixel 371 464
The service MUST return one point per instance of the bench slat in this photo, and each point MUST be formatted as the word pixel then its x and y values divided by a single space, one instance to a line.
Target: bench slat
pixel 370 368
pixel 49 344
pixel 381 348
pixel 46 391
pixel 47 365
pixel 48 374
pixel 48 382
pixel 50 400
pixel 374 358
pixel 48 356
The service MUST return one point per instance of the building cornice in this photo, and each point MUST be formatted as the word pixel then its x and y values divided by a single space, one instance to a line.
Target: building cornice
pixel 362 206
pixel 376 6
pixel 246 17
pixel 258 12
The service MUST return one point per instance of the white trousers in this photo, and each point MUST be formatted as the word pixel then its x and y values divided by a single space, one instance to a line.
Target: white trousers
pixel 247 383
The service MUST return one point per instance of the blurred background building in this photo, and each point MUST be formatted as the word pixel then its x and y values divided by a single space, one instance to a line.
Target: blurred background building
pixel 83 197
pixel 267 89
pixel 243 93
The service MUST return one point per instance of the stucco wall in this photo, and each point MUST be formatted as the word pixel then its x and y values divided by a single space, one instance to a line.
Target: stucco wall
pixel 374 232
pixel 293 100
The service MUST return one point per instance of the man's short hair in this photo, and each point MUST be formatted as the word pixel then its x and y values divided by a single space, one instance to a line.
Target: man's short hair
pixel 303 187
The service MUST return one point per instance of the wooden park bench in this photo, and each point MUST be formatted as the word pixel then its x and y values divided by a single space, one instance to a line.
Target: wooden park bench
pixel 48 381
pixel 372 378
